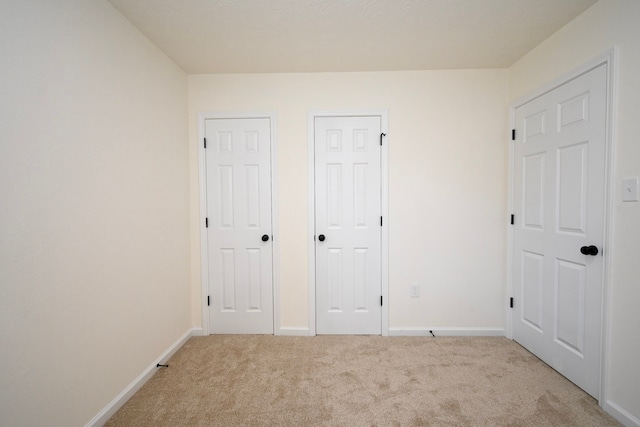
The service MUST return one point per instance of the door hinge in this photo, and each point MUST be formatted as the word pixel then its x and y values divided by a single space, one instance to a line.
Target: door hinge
pixel 206 222
pixel 513 134
pixel 513 219
pixel 511 302
pixel 205 143
pixel 381 135
pixel 380 299
pixel 380 221
pixel 208 300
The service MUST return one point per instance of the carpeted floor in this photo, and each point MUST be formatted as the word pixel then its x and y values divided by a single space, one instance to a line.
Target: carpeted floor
pixel 239 380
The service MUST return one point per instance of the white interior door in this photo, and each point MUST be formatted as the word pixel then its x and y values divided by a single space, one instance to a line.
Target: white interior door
pixel 348 225
pixel 238 165
pixel 559 196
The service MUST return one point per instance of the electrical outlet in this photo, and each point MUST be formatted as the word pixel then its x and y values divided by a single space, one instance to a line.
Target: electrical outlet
pixel 415 290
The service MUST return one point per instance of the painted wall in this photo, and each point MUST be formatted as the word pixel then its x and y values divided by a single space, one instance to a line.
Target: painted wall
pixel 447 184
pixel 94 208
pixel 607 24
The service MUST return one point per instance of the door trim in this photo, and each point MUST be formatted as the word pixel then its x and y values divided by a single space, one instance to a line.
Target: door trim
pixel 384 253
pixel 202 177
pixel 609 59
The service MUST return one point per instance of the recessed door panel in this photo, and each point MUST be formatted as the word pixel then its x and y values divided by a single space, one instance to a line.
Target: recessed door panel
pixel 253 196
pixel 360 138
pixel 570 288
pixel 334 195
pixel 254 270
pixel 532 289
pixel 572 188
pixel 334 140
pixel 360 195
pixel 228 279
pixel 360 279
pixel 224 141
pixel 251 141
pixel 334 279
pixel 533 183
pixel 225 199
pixel 573 111
pixel 534 126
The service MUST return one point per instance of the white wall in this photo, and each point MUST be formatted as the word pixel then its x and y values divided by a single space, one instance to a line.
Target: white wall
pixel 607 24
pixel 94 208
pixel 447 184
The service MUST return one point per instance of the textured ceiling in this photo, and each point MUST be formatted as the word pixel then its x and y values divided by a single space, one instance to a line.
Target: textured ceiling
pixel 263 36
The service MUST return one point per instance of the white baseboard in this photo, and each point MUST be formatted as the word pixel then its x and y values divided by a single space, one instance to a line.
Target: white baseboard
pixel 293 332
pixel 626 418
pixel 197 332
pixel 414 332
pixel 447 332
pixel 126 394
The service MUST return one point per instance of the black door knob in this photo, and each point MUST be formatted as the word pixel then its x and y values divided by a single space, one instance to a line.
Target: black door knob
pixel 265 237
pixel 321 237
pixel 589 250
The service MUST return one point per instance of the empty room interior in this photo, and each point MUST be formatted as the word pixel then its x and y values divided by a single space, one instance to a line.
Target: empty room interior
pixel 411 170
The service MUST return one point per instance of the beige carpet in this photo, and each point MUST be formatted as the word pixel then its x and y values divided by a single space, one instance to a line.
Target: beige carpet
pixel 232 380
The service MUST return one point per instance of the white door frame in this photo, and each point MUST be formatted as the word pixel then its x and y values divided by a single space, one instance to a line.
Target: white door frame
pixel 609 60
pixel 384 156
pixel 204 257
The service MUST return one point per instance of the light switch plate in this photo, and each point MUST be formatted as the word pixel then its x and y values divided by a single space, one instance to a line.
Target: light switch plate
pixel 630 188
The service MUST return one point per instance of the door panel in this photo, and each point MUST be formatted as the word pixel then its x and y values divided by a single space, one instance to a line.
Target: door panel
pixel 533 289
pixel 569 327
pixel 559 176
pixel 533 176
pixel 572 188
pixel 347 213
pixel 239 213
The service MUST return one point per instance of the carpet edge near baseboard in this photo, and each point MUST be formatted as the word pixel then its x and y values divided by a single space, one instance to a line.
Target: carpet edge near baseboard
pixel 447 332
pixel 108 411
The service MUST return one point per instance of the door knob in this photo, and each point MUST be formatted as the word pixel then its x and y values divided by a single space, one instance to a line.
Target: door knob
pixel 265 237
pixel 589 250
pixel 321 237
